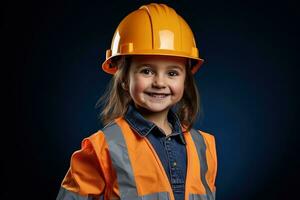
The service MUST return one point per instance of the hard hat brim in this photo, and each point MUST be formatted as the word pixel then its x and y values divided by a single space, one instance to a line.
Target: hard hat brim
pixel 108 68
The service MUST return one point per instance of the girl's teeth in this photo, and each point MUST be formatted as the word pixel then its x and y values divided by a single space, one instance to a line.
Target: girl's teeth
pixel 158 95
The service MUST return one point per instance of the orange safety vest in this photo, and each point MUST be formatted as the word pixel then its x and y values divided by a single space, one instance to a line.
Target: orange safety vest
pixel 117 163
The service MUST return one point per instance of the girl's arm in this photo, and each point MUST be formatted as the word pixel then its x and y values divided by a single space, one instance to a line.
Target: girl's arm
pixel 85 177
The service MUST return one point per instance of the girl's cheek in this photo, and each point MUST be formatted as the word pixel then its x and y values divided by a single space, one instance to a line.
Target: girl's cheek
pixel 137 85
pixel 179 87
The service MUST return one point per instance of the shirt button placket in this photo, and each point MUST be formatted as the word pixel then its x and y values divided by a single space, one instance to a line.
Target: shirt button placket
pixel 174 164
pixel 172 160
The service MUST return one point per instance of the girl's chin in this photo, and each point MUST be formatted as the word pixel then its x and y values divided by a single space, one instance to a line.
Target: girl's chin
pixel 156 107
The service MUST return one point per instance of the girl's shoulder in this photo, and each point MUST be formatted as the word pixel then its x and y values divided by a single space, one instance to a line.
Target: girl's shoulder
pixel 99 135
pixel 208 138
pixel 94 140
pixel 204 134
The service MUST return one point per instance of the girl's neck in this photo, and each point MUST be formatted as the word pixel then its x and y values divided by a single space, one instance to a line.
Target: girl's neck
pixel 160 119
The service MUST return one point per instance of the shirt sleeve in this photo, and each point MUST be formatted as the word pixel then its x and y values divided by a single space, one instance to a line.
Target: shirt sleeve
pixel 85 175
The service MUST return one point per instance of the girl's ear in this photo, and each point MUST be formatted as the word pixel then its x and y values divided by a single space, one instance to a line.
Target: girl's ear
pixel 124 86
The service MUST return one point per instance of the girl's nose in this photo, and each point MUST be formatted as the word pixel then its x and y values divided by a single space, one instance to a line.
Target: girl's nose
pixel 158 81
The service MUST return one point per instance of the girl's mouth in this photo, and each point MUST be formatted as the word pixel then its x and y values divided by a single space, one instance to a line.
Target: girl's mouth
pixel 157 95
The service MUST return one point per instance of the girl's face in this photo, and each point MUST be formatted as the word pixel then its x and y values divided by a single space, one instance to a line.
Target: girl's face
pixel 156 82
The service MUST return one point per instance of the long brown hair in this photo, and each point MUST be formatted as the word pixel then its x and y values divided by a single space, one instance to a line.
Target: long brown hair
pixel 115 100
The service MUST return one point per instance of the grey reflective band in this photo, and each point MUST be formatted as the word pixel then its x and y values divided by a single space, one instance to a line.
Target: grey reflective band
pixel 68 195
pixel 201 196
pixel 156 196
pixel 121 163
pixel 201 150
pixel 120 159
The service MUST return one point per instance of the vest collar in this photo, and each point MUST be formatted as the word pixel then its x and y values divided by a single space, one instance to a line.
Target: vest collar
pixel 143 127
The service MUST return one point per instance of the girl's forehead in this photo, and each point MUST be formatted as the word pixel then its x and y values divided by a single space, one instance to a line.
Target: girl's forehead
pixel 158 59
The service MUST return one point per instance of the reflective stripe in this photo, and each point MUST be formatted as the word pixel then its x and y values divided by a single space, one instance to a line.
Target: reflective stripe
pixel 121 162
pixel 200 196
pixel 201 150
pixel 68 195
pixel 156 196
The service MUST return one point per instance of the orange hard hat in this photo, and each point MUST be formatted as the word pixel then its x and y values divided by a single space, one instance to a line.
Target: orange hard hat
pixel 153 29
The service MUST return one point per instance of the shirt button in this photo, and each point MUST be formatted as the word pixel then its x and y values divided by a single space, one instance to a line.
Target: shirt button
pixel 169 138
pixel 174 164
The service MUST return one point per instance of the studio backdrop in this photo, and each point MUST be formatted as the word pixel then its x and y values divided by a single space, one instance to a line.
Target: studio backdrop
pixel 248 86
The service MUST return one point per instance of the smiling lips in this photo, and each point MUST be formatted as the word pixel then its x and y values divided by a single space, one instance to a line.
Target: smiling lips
pixel 157 95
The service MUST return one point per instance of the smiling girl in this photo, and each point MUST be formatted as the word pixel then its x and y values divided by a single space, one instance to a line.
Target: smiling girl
pixel 148 148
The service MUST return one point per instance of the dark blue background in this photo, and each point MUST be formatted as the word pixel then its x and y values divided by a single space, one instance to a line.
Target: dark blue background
pixel 248 87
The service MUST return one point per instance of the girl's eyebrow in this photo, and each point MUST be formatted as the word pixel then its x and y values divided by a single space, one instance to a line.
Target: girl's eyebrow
pixel 169 66
pixel 176 67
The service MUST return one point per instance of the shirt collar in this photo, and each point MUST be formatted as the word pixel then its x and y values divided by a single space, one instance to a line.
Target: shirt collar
pixel 143 127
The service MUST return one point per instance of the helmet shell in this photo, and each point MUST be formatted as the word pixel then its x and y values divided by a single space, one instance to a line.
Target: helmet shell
pixel 153 29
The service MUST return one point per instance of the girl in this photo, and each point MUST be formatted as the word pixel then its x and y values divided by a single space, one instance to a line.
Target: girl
pixel 148 148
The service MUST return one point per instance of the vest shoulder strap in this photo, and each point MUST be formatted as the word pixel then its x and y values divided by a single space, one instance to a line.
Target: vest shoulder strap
pixel 205 145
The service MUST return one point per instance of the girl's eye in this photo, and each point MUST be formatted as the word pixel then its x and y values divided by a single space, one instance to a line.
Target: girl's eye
pixel 173 73
pixel 146 71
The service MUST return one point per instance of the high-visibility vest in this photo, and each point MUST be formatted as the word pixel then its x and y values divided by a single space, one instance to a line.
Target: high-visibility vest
pixel 116 163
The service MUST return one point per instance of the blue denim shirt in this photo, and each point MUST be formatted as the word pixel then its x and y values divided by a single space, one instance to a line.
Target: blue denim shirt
pixel 170 149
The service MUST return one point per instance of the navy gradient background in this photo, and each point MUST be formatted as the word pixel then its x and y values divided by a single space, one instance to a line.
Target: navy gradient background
pixel 248 86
